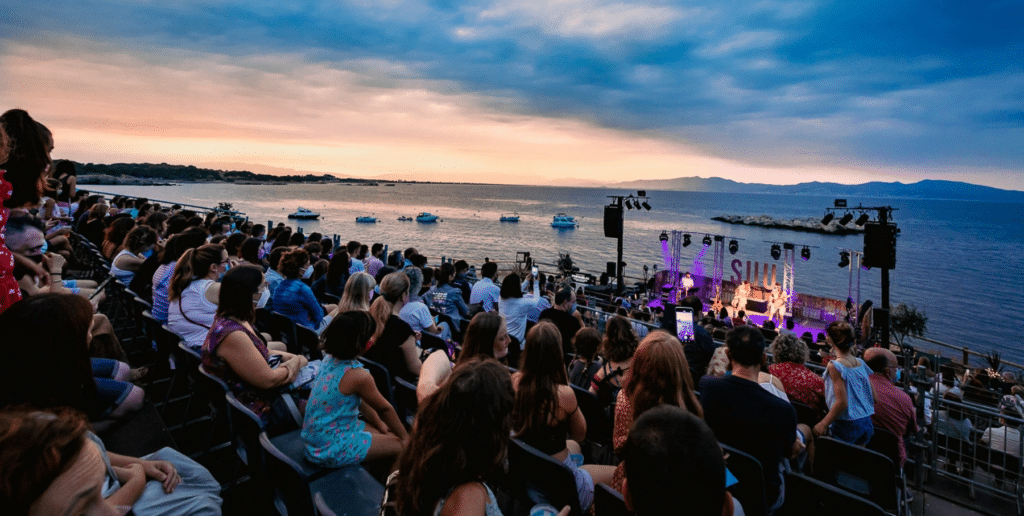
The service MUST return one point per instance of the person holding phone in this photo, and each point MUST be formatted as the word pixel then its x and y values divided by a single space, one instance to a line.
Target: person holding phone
pixel 516 309
pixel 700 349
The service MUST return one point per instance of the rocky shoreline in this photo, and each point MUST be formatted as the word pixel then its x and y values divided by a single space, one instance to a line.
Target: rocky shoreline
pixel 805 225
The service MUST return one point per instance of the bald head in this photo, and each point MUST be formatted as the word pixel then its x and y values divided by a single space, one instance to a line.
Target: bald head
pixel 881 360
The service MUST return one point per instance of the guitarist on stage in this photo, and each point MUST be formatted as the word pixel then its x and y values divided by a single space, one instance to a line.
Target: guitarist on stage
pixel 739 298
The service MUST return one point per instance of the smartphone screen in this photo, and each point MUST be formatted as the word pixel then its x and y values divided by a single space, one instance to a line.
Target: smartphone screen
pixel 535 271
pixel 684 324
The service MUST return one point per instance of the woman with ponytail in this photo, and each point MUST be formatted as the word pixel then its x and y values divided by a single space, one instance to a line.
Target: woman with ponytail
pixel 193 293
pixel 393 345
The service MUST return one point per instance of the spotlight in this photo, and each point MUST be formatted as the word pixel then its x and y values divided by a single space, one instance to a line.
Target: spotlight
pixel 805 253
pixel 629 204
pixel 646 206
pixel 846 219
pixel 844 259
pixel 686 239
pixel 827 218
pixel 733 246
pixel 863 219
pixel 776 251
pixel 641 193
pixel 664 236
pixel 706 241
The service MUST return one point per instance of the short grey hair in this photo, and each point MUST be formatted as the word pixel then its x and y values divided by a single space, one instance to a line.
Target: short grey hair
pixel 415 276
pixel 789 348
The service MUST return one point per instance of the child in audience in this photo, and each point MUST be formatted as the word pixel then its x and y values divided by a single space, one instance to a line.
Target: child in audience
pixel 848 392
pixel 332 431
pixel 586 362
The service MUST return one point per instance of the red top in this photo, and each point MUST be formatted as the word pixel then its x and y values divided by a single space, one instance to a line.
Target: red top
pixel 894 411
pixel 801 384
pixel 10 292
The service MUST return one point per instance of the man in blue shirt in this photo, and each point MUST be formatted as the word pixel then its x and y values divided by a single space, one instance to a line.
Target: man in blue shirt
pixel 354 265
pixel 486 292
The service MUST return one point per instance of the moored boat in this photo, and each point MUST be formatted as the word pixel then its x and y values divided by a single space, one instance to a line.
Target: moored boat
pixel 426 217
pixel 304 214
pixel 509 218
pixel 563 221
pixel 403 218
pixel 366 219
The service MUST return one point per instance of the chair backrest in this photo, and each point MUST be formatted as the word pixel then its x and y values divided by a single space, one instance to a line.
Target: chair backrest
pixel 245 431
pixel 429 342
pixel 538 478
pixel 609 502
pixel 290 473
pixel 886 443
pixel 407 404
pixel 382 378
pixel 805 495
pixel 599 425
pixel 265 323
pixel 322 508
pixel 749 488
pixel 308 342
pixel 329 299
pixel 286 331
pixel 214 389
pixel 806 414
pixel 858 470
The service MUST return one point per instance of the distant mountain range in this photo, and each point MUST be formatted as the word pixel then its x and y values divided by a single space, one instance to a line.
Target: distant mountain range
pixel 926 189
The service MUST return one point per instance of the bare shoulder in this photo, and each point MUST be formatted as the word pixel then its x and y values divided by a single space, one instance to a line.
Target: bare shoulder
pixel 469 499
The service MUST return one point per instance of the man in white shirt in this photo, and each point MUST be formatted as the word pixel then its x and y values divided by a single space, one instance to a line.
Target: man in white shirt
pixel 1005 438
pixel 486 292
pixel 687 284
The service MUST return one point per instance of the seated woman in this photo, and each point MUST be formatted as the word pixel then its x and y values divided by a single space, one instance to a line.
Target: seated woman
pixel 546 415
pixel 848 391
pixel 93 229
pixel 332 431
pixel 800 383
pixel 78 475
pixel 486 337
pixel 174 247
pixel 294 299
pixel 193 293
pixel 250 253
pixel 333 282
pixel 236 353
pixel 416 313
pixel 57 367
pixel 618 347
pixel 358 291
pixel 140 241
pixel 394 343
pixel 113 240
pixel 446 298
pixel 462 439
pixel 585 362
pixel 660 376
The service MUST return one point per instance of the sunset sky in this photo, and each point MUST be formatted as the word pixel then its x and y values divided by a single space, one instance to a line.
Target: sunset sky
pixel 530 91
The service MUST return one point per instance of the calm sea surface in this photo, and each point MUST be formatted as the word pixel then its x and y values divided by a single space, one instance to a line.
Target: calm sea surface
pixel 962 263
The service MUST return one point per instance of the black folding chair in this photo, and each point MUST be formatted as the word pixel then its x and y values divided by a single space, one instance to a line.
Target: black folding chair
pixel 538 478
pixel 749 489
pixel 858 470
pixel 805 495
pixel 598 443
pixel 382 378
pixel 308 342
pixel 406 401
pixel 286 331
pixel 609 502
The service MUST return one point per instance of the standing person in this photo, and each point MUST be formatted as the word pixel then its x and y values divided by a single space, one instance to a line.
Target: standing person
pixel 777 305
pixel 735 404
pixel 848 391
pixel 461 441
pixel 485 292
pixel 516 309
pixel 564 315
pixel 332 431
pixel 739 298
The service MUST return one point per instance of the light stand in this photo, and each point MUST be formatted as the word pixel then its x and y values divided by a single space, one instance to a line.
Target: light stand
pixel 613 228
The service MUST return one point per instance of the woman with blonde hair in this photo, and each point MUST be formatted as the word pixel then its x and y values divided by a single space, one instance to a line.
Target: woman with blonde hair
pixel 358 290
pixel 393 345
pixel 660 375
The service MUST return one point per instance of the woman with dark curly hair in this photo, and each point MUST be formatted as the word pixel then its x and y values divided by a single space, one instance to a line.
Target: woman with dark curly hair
pixel 800 383
pixel 294 299
pixel 461 439
pixel 618 347
pixel 113 239
pixel 140 240
pixel 660 376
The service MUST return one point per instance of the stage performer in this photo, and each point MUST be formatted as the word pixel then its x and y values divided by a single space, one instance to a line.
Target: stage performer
pixel 777 305
pixel 739 298
pixel 687 284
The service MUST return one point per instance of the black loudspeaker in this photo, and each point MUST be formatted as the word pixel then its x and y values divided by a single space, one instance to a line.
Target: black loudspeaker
pixel 613 221
pixel 610 269
pixel 879 246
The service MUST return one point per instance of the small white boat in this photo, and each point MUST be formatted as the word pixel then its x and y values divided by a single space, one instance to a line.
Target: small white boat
pixel 426 217
pixel 403 218
pixel 509 218
pixel 563 221
pixel 367 219
pixel 304 214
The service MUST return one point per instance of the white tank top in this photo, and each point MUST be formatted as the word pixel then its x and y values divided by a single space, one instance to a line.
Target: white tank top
pixel 121 274
pixel 200 312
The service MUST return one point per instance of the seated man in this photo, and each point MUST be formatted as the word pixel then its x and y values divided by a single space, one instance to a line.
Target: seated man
pixel 736 405
pixel 894 410
pixel 1005 438
pixel 672 461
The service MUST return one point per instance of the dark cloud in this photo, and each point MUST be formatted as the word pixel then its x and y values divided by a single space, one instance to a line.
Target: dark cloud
pixel 873 82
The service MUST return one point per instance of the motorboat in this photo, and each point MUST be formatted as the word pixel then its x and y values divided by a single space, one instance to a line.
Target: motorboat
pixel 426 217
pixel 509 218
pixel 304 214
pixel 403 218
pixel 563 221
pixel 366 219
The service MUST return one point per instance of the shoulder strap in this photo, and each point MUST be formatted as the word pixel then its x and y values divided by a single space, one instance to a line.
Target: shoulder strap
pixel 187 318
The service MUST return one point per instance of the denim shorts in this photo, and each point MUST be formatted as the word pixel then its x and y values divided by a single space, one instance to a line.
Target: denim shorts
pixel 856 431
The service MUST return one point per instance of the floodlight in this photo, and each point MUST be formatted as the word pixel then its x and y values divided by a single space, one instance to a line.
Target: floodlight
pixel 844 259
pixel 664 236
pixel 733 246
pixel 707 240
pixel 863 219
pixel 827 218
pixel 846 219
pixel 686 239
pixel 805 253
pixel 646 206
pixel 776 251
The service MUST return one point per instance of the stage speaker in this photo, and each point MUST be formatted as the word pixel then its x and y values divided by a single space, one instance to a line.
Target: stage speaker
pixel 879 246
pixel 610 268
pixel 613 221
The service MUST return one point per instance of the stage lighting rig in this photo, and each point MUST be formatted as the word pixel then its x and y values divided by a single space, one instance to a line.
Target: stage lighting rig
pixel 805 253
pixel 734 246
pixel 844 259
pixel 664 236
pixel 863 219
pixel 686 240
pixel 846 219
pixel 613 225
pixel 706 241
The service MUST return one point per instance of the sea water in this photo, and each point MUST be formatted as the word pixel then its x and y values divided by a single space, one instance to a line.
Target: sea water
pixel 961 262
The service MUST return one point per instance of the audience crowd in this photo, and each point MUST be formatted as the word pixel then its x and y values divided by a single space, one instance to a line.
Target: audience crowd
pixel 490 360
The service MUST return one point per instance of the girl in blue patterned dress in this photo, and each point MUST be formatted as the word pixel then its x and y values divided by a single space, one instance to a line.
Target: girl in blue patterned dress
pixel 332 431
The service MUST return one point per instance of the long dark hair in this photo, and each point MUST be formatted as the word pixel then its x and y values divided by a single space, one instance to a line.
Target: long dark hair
pixel 347 335
pixel 118 230
pixel 237 289
pixel 48 364
pixel 462 434
pixel 511 287
pixel 27 157
pixel 177 244
pixel 543 370
pixel 193 264
pixel 338 270
pixel 480 336
pixel 619 340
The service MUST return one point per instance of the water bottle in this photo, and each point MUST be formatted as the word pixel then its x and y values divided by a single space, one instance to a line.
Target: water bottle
pixel 543 509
